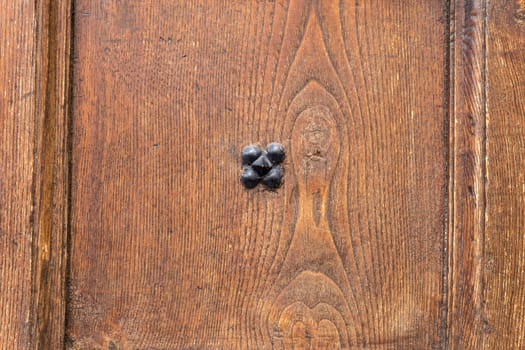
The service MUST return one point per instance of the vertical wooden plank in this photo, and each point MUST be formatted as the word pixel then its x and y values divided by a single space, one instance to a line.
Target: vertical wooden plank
pixel 34 66
pixel 367 144
pixel 466 321
pixel 51 181
pixel 487 243
pixel 17 135
pixel 169 251
pixel 504 263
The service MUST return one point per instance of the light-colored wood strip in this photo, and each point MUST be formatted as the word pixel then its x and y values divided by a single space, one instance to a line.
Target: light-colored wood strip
pixel 467 168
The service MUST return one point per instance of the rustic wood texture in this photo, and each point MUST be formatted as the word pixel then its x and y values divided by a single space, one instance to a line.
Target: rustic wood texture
pixel 504 243
pixel 17 135
pixel 465 319
pixel 168 251
pixel 487 265
pixel 34 73
pixel 51 174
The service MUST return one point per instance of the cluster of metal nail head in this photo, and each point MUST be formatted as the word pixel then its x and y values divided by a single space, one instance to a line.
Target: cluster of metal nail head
pixel 262 166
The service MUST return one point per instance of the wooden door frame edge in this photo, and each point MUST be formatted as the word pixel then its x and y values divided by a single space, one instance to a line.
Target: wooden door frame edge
pixel 49 219
pixel 465 320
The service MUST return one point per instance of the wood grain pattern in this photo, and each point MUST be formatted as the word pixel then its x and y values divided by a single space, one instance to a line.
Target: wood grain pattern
pixel 384 134
pixel 17 134
pixel 466 320
pixel 487 264
pixel 504 260
pixel 51 174
pixel 34 66
pixel 168 250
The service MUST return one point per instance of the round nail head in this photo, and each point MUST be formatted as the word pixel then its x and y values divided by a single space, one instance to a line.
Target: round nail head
pixel 274 177
pixel 275 152
pixel 250 154
pixel 249 178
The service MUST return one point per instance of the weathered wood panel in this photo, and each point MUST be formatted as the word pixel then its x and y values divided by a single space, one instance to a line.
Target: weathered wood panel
pixel 504 243
pixel 169 251
pixel 487 301
pixel 17 135
pixel 51 175
pixel 467 174
pixel 34 76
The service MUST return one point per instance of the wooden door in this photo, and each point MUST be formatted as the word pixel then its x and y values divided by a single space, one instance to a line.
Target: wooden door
pixel 399 223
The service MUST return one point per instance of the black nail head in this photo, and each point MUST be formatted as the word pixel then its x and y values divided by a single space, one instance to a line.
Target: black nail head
pixel 249 177
pixel 250 154
pixel 275 152
pixel 274 177
pixel 262 166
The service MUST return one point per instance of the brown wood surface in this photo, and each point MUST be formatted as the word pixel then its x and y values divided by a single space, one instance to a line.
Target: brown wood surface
pixel 487 261
pixel 400 224
pixel 51 175
pixel 465 321
pixel 34 75
pixel 504 243
pixel 17 135
pixel 168 251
